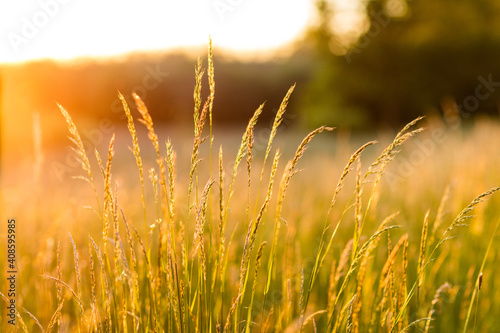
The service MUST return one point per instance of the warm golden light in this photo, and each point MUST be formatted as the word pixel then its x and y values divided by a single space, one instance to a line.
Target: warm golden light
pixel 64 29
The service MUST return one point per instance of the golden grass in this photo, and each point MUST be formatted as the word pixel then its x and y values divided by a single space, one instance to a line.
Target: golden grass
pixel 266 251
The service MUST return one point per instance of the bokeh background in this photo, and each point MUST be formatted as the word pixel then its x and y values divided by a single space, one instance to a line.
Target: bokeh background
pixel 359 65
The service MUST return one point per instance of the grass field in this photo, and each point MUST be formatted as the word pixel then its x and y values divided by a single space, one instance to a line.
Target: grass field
pixel 259 234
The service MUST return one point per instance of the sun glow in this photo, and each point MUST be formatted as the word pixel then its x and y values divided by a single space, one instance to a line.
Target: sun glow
pixel 65 29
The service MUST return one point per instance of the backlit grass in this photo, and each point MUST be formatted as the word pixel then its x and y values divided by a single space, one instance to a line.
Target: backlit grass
pixel 262 238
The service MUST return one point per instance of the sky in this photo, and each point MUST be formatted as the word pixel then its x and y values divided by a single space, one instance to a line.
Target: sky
pixel 65 29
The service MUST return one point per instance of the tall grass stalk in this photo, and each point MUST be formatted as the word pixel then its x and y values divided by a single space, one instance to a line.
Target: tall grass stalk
pixel 479 281
pixel 264 251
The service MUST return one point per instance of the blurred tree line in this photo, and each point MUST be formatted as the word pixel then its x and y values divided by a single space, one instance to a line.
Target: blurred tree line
pixel 413 58
pixel 88 89
pixel 410 57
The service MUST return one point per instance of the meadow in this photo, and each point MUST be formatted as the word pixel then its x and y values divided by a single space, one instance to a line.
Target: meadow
pixel 270 231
